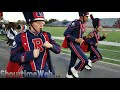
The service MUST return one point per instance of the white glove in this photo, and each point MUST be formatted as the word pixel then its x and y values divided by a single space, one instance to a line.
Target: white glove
pixel 79 40
pixel 36 52
pixel 105 34
pixel 47 45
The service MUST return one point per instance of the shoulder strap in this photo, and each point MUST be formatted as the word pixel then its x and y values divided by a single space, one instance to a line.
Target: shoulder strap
pixel 46 36
pixel 26 48
pixel 80 31
pixel 46 54
pixel 24 41
pixel 95 36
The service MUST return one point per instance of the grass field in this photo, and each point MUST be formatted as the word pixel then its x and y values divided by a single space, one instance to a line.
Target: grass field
pixel 106 51
pixel 112 36
pixel 2 37
pixel 111 52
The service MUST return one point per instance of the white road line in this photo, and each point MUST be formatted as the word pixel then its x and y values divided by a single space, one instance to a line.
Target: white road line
pixel 99 61
pixel 109 50
pixel 109 63
pixel 88 55
pixel 100 42
pixel 102 49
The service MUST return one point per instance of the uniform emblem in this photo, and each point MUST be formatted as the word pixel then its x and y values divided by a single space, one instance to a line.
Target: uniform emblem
pixel 38 43
pixel 73 24
pixel 39 14
pixel 14 44
pixel 52 38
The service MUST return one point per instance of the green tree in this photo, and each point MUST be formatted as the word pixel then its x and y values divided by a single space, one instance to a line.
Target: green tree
pixel 52 20
pixel 65 21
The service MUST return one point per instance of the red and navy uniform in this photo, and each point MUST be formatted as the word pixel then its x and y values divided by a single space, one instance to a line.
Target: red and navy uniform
pixel 75 30
pixel 26 58
pixel 94 52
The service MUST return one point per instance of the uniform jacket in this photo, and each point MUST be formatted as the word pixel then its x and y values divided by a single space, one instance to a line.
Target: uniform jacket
pixel 26 58
pixel 74 30
pixel 95 38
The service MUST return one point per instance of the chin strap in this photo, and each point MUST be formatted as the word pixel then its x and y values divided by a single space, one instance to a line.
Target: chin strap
pixel 34 29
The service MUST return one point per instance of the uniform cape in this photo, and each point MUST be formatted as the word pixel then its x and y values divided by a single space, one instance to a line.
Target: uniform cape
pixel 83 46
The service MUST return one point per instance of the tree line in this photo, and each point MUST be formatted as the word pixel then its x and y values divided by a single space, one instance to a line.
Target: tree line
pixel 115 25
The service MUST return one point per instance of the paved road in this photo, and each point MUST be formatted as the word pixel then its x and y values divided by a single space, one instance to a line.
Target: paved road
pixel 61 62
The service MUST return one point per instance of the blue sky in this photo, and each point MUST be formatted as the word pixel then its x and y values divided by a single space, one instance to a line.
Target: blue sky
pixel 14 16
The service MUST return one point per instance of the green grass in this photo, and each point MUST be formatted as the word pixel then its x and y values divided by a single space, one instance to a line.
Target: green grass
pixel 2 37
pixel 99 46
pixel 104 53
pixel 110 54
pixel 58 31
pixel 105 60
pixel 55 31
pixel 112 36
pixel 109 61
pixel 109 47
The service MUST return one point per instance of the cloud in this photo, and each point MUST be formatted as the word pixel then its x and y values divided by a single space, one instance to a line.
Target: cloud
pixel 15 16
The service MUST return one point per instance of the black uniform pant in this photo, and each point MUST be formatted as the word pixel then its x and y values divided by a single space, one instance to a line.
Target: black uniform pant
pixel 94 54
pixel 76 52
